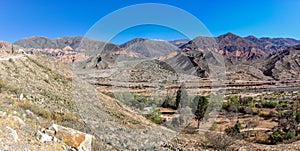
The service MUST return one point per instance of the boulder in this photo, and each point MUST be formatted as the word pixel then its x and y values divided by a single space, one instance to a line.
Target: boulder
pixel 73 138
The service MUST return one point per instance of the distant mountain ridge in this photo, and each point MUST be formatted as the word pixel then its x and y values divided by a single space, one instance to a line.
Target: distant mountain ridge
pixel 250 57
pixel 77 43
pixel 227 44
pixel 149 48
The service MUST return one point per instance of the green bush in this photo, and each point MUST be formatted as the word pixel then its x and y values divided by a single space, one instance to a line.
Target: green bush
pixel 269 104
pixel 277 136
pixel 155 117
pixel 214 126
pixel 236 129
pixel 264 114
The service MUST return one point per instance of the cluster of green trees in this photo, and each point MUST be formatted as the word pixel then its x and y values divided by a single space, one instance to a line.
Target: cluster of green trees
pixel 186 105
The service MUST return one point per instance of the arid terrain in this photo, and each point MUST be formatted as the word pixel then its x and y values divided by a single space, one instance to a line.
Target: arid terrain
pixel 144 94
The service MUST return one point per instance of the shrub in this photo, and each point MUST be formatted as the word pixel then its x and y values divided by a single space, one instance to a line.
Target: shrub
pixel 169 102
pixel 232 108
pixel 214 126
pixel 278 136
pixel 26 105
pixel 269 104
pixel 233 99
pixel 255 111
pixel 155 117
pixel 236 129
pixel 247 101
pixel 264 114
pixel 218 141
pixel 275 137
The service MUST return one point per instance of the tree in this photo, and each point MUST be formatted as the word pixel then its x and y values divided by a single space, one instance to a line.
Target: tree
pixel 201 108
pixel 12 49
pixel 181 97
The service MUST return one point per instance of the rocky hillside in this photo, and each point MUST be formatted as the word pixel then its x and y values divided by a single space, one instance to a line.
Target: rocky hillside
pixel 76 43
pixel 37 91
pixel 34 93
pixel 232 45
pixel 179 42
pixel 228 44
pixel 5 45
pixel 149 48
pixel 273 45
pixel 244 57
pixel 284 65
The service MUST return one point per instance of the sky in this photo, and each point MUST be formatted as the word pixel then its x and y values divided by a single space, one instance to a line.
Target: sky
pixel 58 18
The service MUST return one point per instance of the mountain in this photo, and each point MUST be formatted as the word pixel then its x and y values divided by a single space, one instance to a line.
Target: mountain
pixel 272 45
pixel 239 47
pixel 77 43
pixel 182 63
pixel 4 44
pixel 282 41
pixel 228 44
pixel 284 65
pixel 149 48
pixel 232 45
pixel 36 42
pixel 251 57
pixel 180 42
pixel 200 44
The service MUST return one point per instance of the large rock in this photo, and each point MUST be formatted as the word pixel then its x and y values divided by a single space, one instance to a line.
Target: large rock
pixel 73 138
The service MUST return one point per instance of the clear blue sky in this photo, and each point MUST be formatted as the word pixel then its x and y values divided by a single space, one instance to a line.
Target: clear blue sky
pixel 57 18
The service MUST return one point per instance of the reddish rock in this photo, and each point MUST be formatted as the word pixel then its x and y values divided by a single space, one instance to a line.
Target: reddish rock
pixel 73 138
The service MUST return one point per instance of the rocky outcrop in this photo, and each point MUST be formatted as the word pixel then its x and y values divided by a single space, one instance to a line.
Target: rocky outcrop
pixel 72 138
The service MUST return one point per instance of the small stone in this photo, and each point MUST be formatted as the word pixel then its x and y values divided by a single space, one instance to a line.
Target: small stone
pixel 243 148
pixel 13 133
pixel 44 137
pixel 21 96
pixel 29 113
pixel 3 114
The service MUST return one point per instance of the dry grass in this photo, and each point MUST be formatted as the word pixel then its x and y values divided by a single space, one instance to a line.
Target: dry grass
pixel 46 114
